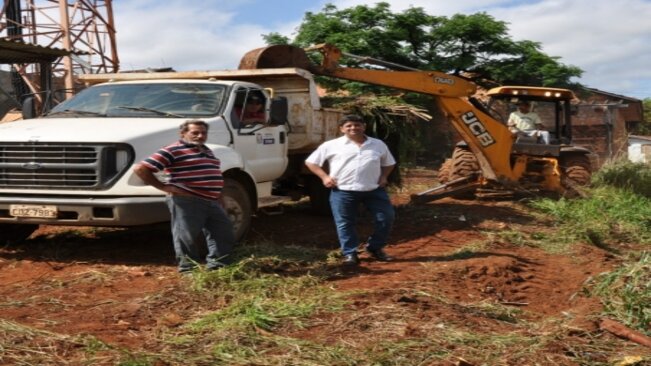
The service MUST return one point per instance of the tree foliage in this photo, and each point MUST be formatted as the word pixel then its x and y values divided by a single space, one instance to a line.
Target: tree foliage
pixel 474 44
pixel 645 127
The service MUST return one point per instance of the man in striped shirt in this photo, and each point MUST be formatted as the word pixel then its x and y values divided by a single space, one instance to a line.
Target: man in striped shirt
pixel 193 196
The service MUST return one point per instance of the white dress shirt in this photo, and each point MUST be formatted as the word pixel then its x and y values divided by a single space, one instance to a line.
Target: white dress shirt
pixel 356 168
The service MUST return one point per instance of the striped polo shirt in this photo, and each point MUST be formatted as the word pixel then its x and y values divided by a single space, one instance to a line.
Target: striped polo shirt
pixel 191 167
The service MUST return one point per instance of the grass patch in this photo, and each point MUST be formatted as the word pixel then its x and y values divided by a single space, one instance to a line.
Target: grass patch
pixel 449 343
pixel 492 310
pixel 608 217
pixel 616 210
pixel 634 177
pixel 25 345
pixel 277 288
pixel 626 293
pixel 547 240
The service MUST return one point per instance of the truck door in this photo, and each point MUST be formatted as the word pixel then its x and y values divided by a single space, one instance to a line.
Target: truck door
pixel 263 146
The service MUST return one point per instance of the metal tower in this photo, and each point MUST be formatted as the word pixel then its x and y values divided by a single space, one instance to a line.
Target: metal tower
pixel 83 27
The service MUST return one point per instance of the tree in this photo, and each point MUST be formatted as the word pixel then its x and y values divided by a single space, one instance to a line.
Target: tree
pixel 529 66
pixel 475 44
pixel 645 127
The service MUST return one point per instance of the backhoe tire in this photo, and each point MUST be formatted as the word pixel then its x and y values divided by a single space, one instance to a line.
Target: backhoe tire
pixel 237 204
pixel 463 164
pixel 443 175
pixel 13 233
pixel 576 173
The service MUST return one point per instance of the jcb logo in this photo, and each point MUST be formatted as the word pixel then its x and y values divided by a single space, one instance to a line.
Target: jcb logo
pixel 477 129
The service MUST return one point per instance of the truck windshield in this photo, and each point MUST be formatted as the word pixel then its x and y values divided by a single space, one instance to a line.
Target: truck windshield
pixel 155 100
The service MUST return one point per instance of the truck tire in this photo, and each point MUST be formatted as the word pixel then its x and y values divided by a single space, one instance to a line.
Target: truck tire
pixel 319 196
pixel 238 207
pixel 12 233
pixel 576 172
pixel 443 175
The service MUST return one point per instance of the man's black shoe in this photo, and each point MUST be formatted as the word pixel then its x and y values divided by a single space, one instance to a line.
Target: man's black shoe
pixel 379 254
pixel 350 260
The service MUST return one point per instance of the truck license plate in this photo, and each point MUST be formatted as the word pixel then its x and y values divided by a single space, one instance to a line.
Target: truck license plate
pixel 49 212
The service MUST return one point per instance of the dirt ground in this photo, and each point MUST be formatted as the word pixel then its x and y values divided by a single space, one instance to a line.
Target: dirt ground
pixel 72 281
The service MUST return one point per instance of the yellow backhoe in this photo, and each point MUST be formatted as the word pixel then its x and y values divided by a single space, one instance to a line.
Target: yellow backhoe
pixel 491 160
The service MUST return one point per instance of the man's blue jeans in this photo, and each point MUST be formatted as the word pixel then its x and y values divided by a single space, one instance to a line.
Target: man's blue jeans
pixel 344 205
pixel 192 217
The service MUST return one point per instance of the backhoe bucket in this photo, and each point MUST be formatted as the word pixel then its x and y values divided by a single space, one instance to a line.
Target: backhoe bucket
pixel 278 56
pixel 451 188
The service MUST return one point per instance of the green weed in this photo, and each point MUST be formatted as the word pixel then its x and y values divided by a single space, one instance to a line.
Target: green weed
pixel 635 177
pixel 261 293
pixel 609 216
pixel 626 293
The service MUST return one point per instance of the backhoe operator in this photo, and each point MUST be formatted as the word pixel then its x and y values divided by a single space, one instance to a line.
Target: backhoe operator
pixel 524 121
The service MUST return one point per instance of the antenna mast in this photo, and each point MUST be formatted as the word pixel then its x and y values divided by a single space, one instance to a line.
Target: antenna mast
pixel 83 27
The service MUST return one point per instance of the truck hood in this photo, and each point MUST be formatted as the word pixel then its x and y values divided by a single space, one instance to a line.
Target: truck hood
pixel 87 129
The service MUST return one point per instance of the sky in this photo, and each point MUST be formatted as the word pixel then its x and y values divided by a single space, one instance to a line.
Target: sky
pixel 609 40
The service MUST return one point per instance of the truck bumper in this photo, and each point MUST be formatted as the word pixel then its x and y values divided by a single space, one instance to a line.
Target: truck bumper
pixel 94 211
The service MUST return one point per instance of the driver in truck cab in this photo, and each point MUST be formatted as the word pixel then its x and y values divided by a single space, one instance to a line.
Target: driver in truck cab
pixel 524 121
pixel 252 112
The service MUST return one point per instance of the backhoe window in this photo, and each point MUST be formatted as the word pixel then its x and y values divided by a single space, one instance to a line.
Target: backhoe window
pixel 172 100
pixel 501 109
pixel 545 110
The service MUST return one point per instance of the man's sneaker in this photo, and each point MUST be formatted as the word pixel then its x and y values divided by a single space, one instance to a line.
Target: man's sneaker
pixel 350 260
pixel 186 269
pixel 215 266
pixel 188 273
pixel 379 254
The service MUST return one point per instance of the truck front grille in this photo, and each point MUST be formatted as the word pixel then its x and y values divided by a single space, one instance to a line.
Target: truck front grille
pixel 62 165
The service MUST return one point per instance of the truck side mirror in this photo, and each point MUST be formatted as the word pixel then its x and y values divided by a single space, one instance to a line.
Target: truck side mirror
pixel 28 110
pixel 279 111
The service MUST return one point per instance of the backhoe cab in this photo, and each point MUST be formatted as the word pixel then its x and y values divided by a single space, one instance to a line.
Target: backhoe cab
pixel 491 160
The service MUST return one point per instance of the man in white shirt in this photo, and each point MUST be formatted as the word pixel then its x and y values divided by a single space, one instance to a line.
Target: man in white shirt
pixel 359 166
pixel 527 122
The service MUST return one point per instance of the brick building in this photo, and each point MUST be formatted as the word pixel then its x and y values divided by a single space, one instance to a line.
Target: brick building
pixel 602 122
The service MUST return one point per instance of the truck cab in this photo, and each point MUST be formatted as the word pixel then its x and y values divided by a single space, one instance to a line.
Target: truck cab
pixel 73 166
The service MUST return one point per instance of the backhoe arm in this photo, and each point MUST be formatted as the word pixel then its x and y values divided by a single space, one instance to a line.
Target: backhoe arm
pixel 489 139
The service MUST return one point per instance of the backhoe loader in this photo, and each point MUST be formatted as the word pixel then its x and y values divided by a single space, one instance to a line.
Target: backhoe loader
pixel 491 160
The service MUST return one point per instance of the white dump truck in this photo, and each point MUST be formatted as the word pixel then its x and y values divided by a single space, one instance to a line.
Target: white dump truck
pixel 74 166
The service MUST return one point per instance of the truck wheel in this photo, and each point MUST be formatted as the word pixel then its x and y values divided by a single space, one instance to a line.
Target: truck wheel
pixel 12 233
pixel 238 207
pixel 443 175
pixel 576 172
pixel 319 196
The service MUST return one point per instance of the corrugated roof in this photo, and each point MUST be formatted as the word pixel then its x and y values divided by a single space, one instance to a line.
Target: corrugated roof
pixel 639 137
pixel 18 52
pixel 612 94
